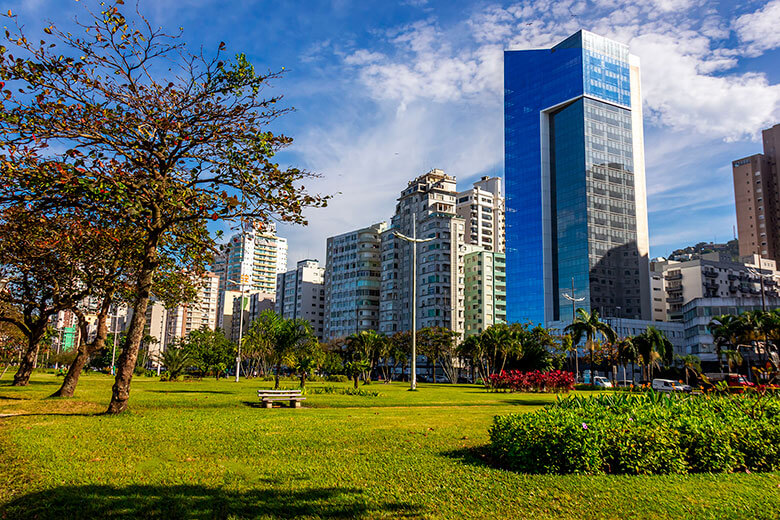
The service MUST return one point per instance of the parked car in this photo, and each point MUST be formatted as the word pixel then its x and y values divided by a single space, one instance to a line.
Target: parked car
pixel 601 382
pixel 668 385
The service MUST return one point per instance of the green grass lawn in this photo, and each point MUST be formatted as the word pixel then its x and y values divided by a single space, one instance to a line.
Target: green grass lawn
pixel 205 450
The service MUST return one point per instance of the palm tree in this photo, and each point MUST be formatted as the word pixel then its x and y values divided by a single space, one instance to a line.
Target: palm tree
pixel 307 357
pixel 258 342
pixel 627 353
pixel 652 346
pixel 726 331
pixel 290 336
pixel 588 324
pixel 400 350
pixel 496 339
pixel 690 363
pixel 175 359
pixel 473 348
pixel 733 359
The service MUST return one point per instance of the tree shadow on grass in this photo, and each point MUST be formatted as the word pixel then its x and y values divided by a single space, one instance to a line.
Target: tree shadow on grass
pixel 198 502
pixel 474 456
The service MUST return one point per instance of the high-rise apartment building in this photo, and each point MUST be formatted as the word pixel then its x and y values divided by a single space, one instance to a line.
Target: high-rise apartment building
pixel 249 261
pixel 484 290
pixel 353 276
pixel 575 180
pixel 428 203
pixel 300 293
pixel 202 312
pixel 482 207
pixel 757 197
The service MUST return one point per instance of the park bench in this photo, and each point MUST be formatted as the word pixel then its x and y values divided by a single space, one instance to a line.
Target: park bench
pixel 268 397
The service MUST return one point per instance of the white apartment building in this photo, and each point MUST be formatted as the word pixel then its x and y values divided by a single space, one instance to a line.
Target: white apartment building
pixel 249 261
pixel 483 209
pixel 430 202
pixel 184 318
pixel 674 284
pixel 300 293
pixel 353 276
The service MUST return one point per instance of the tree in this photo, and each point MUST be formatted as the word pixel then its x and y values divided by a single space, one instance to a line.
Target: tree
pixel 258 342
pixel 473 349
pixel 627 353
pixel 436 343
pixel 653 346
pixel 362 348
pixel 12 341
pixel 400 345
pixel 164 152
pixel 290 336
pixel 209 350
pixel 589 325
pixel 175 359
pixel 690 364
pixel 495 340
pixel 40 261
pixel 726 331
pixel 537 344
pixel 733 359
pixel 306 358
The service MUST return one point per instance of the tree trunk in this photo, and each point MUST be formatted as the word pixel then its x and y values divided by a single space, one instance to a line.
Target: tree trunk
pixel 355 377
pixel 27 360
pixel 434 370
pixel 276 378
pixel 135 333
pixel 86 350
pixel 303 380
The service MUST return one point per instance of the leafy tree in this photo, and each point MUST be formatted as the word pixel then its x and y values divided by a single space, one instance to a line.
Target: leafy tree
pixel 733 359
pixel 306 358
pixel 289 338
pixel 437 343
pixel 588 325
pixel 537 345
pixel 400 345
pixel 209 350
pixel 39 266
pixel 12 340
pixel 362 348
pixel 165 152
pixel 473 349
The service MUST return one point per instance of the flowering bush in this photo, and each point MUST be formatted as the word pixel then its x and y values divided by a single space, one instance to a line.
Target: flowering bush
pixel 648 433
pixel 536 381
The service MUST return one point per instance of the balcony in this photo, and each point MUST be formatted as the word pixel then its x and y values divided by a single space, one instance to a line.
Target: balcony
pixel 673 276
pixel 674 299
pixel 710 274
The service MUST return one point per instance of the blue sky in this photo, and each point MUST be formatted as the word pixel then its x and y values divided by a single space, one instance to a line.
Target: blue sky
pixel 386 90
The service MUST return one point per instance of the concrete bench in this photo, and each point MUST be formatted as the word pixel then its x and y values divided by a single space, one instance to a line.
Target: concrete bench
pixel 268 397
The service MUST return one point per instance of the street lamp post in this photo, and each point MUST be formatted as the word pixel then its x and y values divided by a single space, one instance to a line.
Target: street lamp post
pixel 413 240
pixel 574 302
pixel 240 325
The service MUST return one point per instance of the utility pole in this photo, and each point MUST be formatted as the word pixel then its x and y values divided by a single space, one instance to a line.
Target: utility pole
pixel 413 240
pixel 574 302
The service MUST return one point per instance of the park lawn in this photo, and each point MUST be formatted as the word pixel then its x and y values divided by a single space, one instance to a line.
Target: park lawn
pixel 205 450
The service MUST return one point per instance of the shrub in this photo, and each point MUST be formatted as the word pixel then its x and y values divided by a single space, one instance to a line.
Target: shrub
pixel 536 381
pixel 647 433
pixel 337 378
pixel 344 391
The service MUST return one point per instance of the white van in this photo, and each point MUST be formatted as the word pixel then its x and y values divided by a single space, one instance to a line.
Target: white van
pixel 667 385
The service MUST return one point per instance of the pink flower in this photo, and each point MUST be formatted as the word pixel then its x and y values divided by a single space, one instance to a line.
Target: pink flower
pixel 584 426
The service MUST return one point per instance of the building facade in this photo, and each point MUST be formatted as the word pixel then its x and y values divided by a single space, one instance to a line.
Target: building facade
pixel 353 277
pixel 484 275
pixel 711 276
pixel 249 261
pixel 201 313
pixel 698 312
pixel 575 181
pixel 757 198
pixel 482 208
pixel 300 294
pixel 428 204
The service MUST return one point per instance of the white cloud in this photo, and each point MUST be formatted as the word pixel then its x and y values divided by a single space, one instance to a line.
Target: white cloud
pixel 759 31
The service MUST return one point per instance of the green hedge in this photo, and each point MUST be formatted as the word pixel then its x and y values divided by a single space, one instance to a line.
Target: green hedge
pixel 642 434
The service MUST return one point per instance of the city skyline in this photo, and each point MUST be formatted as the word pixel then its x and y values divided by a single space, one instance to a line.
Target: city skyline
pixel 710 87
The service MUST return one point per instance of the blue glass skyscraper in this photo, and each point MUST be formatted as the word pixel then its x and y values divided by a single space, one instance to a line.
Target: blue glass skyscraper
pixel 576 211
